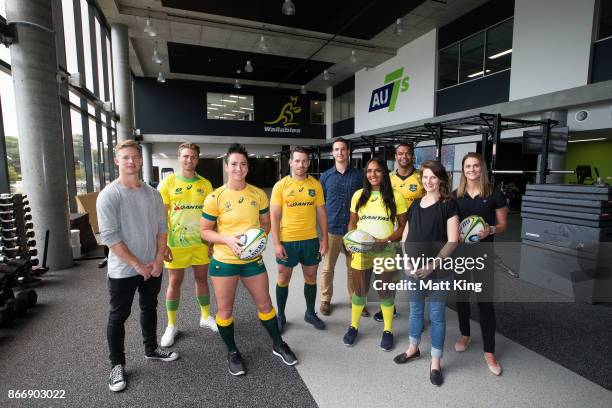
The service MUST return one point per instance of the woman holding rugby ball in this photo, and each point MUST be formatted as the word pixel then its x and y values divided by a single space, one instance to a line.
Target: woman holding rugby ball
pixel 476 196
pixel 432 231
pixel 375 209
pixel 228 212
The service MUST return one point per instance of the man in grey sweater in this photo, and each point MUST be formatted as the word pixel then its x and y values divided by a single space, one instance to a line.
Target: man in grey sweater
pixel 133 225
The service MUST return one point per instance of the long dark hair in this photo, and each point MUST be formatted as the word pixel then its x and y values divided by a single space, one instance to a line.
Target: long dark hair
pixel 438 169
pixel 385 188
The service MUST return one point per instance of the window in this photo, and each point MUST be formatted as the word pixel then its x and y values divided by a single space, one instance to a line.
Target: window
pixel 101 91
pixel 79 151
pixel 9 116
pixel 472 53
pixel 229 107
pixel 605 20
pixel 69 36
pixel 481 54
pixel 317 112
pixel 499 47
pixel 87 45
pixel 344 106
pixel 95 158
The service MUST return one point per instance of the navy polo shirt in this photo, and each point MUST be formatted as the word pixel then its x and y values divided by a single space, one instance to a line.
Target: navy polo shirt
pixel 338 189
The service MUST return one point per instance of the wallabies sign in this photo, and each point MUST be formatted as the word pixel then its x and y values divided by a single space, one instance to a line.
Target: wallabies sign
pixel 386 96
pixel 285 122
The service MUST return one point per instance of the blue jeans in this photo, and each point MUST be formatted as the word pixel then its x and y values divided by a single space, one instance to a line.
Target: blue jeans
pixel 437 308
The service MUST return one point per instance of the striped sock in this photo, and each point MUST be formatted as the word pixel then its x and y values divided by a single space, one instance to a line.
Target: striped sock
pixel 387 306
pixel 171 309
pixel 357 305
pixel 270 323
pixel 226 330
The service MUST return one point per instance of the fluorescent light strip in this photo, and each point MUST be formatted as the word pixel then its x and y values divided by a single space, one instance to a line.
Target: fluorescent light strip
pixel 237 111
pixel 216 104
pixel 587 140
pixel 236 96
pixel 213 108
pixel 228 114
pixel 477 74
pixel 246 108
pixel 228 100
pixel 499 54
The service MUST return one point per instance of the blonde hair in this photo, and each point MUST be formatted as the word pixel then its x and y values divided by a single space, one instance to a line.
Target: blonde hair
pixel 485 185
pixel 190 146
pixel 125 144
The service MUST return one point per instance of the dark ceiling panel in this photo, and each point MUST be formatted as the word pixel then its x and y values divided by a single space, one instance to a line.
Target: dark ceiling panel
pixel 220 62
pixel 323 16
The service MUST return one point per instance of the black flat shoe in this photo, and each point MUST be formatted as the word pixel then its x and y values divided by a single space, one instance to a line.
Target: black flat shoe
pixel 436 378
pixel 403 358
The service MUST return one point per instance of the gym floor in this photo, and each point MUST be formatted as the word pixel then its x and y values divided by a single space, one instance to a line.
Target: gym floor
pixel 553 354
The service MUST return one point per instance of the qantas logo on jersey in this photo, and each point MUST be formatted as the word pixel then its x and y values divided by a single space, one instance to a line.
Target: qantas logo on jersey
pixel 299 204
pixel 374 217
pixel 179 207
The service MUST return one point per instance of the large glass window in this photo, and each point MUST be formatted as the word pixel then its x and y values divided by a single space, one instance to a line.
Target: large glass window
pixel 481 54
pixel 9 116
pixel 69 36
pixel 499 47
pixel 229 106
pixel 101 91
pixel 471 60
pixel 95 158
pixel 87 45
pixel 79 151
pixel 344 106
pixel 605 20
pixel 317 112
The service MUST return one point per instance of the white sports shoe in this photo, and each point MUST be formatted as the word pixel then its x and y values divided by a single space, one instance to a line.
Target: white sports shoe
pixel 167 339
pixel 210 323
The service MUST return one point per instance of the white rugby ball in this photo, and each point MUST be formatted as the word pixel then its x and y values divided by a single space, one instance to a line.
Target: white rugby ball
pixel 469 229
pixel 253 243
pixel 357 241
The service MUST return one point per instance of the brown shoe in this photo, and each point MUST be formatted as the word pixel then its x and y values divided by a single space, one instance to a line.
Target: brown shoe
pixel 325 308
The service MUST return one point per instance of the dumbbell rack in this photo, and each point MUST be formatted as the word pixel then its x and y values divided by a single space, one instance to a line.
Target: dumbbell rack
pixel 17 242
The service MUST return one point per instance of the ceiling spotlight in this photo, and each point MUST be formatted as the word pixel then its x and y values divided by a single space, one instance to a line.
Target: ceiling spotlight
pixel 262 44
pixel 248 67
pixel 148 29
pixel 288 8
pixel 399 27
pixel 326 75
pixel 160 77
pixel 237 84
pixel 303 90
pixel 155 58
pixel 353 57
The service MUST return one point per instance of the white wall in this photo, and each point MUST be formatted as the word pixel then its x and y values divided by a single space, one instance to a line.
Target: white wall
pixel 418 59
pixel 551 46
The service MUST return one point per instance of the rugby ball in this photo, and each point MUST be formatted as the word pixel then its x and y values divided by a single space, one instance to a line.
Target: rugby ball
pixel 253 243
pixel 357 241
pixel 469 229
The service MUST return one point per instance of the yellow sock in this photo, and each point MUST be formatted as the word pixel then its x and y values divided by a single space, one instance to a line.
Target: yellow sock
pixel 387 312
pixel 171 309
pixel 171 317
pixel 357 305
pixel 205 310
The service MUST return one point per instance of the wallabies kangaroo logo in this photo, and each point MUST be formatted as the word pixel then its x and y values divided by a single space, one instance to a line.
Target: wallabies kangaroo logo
pixel 285 116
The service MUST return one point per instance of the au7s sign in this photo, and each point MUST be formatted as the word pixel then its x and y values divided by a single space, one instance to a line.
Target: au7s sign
pixel 386 96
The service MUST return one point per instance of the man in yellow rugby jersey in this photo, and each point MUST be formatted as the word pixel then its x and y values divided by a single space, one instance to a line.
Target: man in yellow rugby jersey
pixel 407 180
pixel 296 205
pixel 183 194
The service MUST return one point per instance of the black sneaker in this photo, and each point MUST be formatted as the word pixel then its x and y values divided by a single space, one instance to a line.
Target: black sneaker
pixel 386 343
pixel 285 353
pixel 312 318
pixel 379 317
pixel 116 380
pixel 350 336
pixel 282 322
pixel 162 355
pixel 236 366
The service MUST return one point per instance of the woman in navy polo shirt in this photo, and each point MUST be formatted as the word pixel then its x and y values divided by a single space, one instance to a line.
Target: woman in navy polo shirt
pixel 476 196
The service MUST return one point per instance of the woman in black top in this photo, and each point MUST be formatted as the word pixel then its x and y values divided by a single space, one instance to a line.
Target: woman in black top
pixel 476 196
pixel 432 231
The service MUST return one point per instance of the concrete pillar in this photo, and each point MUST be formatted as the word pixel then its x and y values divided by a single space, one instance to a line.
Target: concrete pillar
pixel 147 162
pixel 41 147
pixel 122 81
pixel 329 112
pixel 556 161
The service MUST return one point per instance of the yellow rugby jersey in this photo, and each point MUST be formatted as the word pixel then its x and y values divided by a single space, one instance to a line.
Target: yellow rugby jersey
pixel 411 188
pixel 299 201
pixel 234 212
pixel 184 198
pixel 373 217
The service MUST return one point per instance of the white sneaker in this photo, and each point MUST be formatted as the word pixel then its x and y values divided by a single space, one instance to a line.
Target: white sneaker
pixel 167 339
pixel 210 323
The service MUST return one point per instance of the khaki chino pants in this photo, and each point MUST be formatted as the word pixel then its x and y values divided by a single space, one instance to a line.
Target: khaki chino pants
pixel 335 245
